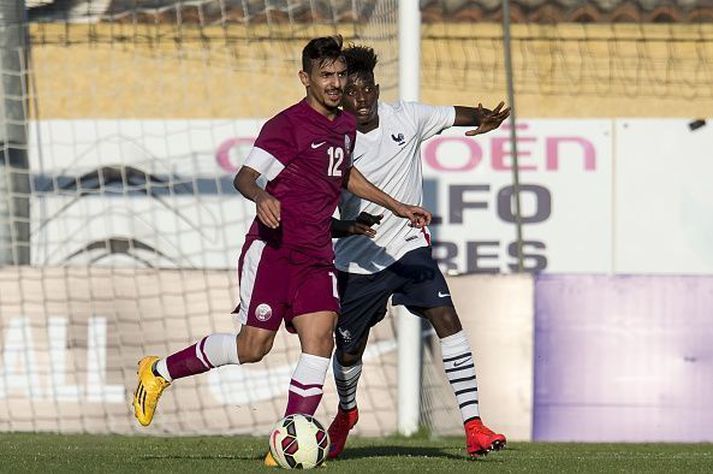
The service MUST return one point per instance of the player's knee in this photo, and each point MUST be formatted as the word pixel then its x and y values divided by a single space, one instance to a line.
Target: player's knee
pixel 252 349
pixel 445 320
pixel 319 344
pixel 324 348
pixel 347 359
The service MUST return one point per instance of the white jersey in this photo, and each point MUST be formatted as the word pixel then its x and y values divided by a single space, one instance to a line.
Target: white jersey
pixel 390 157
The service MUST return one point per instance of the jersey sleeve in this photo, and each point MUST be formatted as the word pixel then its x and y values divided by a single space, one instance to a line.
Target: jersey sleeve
pixel 274 148
pixel 430 119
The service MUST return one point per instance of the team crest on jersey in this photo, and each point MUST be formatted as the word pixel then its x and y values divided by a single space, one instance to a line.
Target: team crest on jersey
pixel 399 138
pixel 263 312
pixel 347 144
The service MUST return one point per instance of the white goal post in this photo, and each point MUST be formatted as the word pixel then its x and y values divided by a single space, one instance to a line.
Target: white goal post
pixel 409 326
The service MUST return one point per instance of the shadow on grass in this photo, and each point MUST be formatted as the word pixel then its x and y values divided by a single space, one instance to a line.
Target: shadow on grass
pixel 390 451
pixel 205 457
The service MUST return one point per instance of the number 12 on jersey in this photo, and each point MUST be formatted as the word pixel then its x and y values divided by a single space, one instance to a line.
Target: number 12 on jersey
pixel 336 156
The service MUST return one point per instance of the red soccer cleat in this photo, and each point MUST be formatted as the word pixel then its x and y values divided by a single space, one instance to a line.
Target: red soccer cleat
pixel 339 430
pixel 480 440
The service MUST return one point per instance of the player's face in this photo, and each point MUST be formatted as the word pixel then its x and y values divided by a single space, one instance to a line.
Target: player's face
pixel 325 85
pixel 361 98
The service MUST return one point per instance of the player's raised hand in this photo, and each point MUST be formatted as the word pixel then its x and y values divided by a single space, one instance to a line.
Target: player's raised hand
pixel 268 209
pixel 489 119
pixel 418 216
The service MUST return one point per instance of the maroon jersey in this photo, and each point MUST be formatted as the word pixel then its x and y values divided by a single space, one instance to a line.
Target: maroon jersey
pixel 306 157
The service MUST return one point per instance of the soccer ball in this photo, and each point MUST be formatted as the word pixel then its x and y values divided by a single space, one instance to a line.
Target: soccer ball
pixel 299 442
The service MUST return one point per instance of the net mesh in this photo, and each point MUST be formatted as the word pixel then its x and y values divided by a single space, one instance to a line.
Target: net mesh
pixel 138 114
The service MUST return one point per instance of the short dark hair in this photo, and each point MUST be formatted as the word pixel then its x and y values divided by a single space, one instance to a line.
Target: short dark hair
pixel 322 50
pixel 361 60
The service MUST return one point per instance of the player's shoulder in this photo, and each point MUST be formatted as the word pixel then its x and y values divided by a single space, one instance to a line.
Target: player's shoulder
pixel 417 112
pixel 403 108
pixel 399 113
pixel 390 108
pixel 281 119
pixel 285 119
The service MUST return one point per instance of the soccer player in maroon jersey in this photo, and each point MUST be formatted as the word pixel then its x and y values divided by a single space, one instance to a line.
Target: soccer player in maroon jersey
pixel 286 268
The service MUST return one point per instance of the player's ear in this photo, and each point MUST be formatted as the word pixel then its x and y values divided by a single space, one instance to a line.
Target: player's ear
pixel 377 92
pixel 304 78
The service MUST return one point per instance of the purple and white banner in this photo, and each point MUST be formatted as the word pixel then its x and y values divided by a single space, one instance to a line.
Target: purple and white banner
pixel 627 358
pixel 565 192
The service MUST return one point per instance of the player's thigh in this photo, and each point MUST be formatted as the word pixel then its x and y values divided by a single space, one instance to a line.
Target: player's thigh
pixel 424 285
pixel 264 286
pixel 444 319
pixel 313 287
pixel 314 303
pixel 364 299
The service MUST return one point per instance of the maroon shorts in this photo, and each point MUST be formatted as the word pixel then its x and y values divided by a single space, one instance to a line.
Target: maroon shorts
pixel 279 283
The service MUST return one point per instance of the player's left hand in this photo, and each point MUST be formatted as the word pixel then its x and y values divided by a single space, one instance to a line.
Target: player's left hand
pixel 357 228
pixel 418 216
pixel 489 119
pixel 369 219
pixel 362 225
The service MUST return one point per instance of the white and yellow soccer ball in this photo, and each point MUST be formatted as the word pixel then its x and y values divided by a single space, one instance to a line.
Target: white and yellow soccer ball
pixel 299 442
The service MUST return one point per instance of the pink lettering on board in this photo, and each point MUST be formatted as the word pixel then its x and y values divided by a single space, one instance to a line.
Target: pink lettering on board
pixel 553 155
pixel 222 154
pixel 430 154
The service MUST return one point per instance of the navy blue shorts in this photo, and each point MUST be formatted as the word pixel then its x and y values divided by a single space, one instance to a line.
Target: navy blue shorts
pixel 414 280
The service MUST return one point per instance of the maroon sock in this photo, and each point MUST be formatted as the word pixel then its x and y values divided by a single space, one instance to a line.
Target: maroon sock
pixel 189 361
pixel 306 384
pixel 303 398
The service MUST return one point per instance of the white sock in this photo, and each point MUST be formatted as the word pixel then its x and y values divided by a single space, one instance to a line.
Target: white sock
pixel 346 380
pixel 221 349
pixel 460 370
pixel 306 385
pixel 161 369
pixel 311 369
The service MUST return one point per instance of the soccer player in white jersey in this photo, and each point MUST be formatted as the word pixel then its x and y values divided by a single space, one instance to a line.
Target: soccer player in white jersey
pixel 395 260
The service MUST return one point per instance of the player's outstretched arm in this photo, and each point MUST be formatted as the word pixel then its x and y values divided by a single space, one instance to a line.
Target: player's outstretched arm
pixel 267 207
pixel 485 119
pixel 358 185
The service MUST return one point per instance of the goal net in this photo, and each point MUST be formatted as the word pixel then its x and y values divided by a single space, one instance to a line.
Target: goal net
pixel 124 122
pixel 138 114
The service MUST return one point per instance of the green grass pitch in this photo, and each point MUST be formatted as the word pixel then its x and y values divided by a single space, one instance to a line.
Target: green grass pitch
pixel 41 453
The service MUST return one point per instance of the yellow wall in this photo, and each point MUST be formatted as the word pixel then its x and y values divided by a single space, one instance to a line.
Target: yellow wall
pixel 560 71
